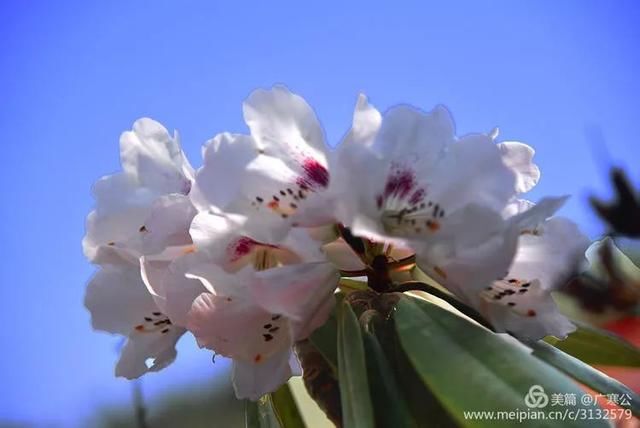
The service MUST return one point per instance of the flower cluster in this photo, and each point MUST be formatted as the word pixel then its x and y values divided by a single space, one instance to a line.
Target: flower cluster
pixel 247 252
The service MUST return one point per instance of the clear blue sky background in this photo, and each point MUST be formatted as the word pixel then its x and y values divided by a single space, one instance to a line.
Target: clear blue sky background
pixel 73 75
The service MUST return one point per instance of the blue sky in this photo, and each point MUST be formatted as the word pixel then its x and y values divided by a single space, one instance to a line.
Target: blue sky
pixel 73 75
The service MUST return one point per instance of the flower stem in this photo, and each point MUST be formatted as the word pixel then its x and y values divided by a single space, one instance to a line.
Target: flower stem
pixel 138 404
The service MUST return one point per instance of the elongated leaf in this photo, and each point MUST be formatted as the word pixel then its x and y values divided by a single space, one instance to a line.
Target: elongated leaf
pixel 596 346
pixel 357 411
pixel 286 409
pixel 325 339
pixel 424 407
pixel 471 369
pixel 259 414
pixel 585 374
pixel 390 409
pixel 251 415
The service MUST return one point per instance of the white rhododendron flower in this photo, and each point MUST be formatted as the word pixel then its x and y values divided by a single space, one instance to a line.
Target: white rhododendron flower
pixel 120 304
pixel 277 176
pixel 406 175
pixel 248 252
pixel 521 302
pixel 406 178
pixel 153 166
pixel 260 299
pixel 142 210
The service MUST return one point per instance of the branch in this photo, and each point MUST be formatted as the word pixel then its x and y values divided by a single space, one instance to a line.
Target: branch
pixel 138 404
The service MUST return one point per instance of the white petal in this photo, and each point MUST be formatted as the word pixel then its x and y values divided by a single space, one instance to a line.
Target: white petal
pixel 121 209
pixel 118 192
pixel 360 176
pixel 168 223
pixel 213 233
pixel 369 175
pixel 300 247
pixel 265 189
pixel 519 157
pixel 355 189
pixel 323 234
pixel 120 303
pixel 516 206
pixel 366 123
pixel 154 158
pixel 529 315
pixel 173 292
pixel 289 135
pixel 237 328
pixel 549 254
pixel 467 227
pixel 302 292
pixel 284 125
pixel 217 280
pixel 408 135
pixel 282 196
pixel 471 172
pixel 532 215
pixel 116 254
pixel 118 299
pixel 253 380
pixel 223 239
pixel 342 256
pixel 479 251
pixel 272 209
pixel 220 180
pixel 145 353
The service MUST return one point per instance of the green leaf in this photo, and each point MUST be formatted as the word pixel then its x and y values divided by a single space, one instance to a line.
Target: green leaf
pixel 275 410
pixel 260 414
pixel 391 410
pixel 285 408
pixel 325 340
pixel 469 368
pixel 596 346
pixel 424 407
pixel 357 411
pixel 585 374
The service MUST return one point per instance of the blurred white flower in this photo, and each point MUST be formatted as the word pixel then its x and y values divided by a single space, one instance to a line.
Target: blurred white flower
pixel 619 262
